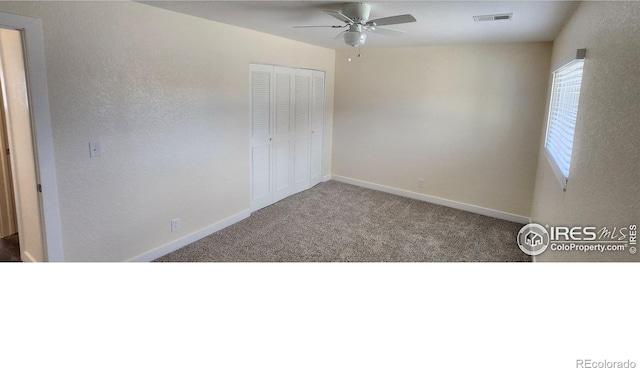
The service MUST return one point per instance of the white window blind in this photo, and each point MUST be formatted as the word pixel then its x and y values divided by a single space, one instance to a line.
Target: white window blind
pixel 563 111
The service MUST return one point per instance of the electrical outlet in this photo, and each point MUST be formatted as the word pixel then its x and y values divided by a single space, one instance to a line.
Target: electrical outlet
pixel 94 149
pixel 420 183
pixel 175 225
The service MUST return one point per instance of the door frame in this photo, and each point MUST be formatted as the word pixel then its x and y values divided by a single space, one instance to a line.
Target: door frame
pixel 293 187
pixel 35 68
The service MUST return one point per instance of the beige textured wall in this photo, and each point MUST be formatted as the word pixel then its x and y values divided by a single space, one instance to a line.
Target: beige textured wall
pixel 21 145
pixel 467 119
pixel 168 97
pixel 604 180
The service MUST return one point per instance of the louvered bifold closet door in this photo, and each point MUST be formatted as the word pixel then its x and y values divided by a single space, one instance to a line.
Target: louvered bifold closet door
pixel 302 131
pixel 287 105
pixel 261 127
pixel 282 143
pixel 317 125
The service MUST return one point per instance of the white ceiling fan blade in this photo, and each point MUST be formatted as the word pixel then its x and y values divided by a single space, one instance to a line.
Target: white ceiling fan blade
pixel 340 34
pixel 385 31
pixel 396 19
pixel 319 26
pixel 339 16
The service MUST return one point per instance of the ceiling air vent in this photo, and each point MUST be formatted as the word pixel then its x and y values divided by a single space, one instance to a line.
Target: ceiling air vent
pixel 485 18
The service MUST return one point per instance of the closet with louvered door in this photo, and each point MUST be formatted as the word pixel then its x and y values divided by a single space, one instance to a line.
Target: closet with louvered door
pixel 287 116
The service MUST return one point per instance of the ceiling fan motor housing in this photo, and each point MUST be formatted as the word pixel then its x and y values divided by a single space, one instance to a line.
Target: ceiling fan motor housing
pixel 359 12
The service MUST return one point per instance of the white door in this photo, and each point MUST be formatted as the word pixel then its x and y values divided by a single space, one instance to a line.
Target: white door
pixel 261 118
pixel 302 131
pixel 317 125
pixel 283 173
pixel 284 109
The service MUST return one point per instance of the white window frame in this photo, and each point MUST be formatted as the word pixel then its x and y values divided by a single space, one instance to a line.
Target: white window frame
pixel 565 97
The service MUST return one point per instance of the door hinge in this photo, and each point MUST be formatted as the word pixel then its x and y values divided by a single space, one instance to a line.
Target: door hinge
pixel 39 188
pixel 7 151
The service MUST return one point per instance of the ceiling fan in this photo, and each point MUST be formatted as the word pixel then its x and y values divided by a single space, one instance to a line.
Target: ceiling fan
pixel 356 18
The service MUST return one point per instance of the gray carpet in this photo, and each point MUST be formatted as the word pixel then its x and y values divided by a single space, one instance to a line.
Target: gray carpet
pixel 337 222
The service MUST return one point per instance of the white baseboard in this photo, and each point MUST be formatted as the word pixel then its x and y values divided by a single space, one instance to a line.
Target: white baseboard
pixel 188 239
pixel 435 200
pixel 326 178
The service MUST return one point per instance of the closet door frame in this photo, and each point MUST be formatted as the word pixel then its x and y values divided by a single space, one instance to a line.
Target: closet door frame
pixel 285 149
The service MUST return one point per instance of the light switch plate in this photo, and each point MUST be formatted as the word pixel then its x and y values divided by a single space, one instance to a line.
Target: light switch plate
pixel 175 225
pixel 94 149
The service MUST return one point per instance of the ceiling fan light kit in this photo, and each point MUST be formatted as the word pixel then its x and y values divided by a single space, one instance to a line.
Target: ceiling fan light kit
pixel 355 38
pixel 356 17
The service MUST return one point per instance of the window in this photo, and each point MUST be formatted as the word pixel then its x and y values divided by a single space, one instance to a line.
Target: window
pixel 563 110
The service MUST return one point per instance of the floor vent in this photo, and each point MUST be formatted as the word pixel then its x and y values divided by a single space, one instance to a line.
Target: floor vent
pixel 485 18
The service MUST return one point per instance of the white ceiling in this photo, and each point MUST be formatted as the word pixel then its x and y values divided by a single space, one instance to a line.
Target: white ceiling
pixel 438 22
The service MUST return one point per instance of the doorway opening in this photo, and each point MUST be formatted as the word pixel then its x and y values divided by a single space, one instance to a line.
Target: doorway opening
pixel 29 138
pixel 20 215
